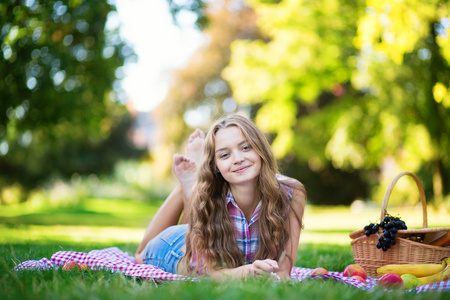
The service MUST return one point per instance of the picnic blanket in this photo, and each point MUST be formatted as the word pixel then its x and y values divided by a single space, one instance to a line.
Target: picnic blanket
pixel 116 260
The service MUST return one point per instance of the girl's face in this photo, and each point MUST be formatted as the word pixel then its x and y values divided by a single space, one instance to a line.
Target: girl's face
pixel 236 160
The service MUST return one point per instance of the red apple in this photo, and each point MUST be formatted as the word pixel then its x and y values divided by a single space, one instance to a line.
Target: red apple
pixel 354 269
pixel 319 271
pixel 71 264
pixel 359 278
pixel 83 267
pixel 391 281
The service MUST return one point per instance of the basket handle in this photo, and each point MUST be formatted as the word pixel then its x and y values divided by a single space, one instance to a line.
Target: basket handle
pixel 421 193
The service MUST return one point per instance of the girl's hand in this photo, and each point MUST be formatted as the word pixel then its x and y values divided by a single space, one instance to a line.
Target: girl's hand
pixel 261 267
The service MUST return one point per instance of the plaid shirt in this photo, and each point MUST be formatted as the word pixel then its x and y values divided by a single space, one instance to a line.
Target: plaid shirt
pixel 247 233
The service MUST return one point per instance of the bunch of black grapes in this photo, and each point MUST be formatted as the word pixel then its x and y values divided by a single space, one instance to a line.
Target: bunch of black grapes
pixel 390 225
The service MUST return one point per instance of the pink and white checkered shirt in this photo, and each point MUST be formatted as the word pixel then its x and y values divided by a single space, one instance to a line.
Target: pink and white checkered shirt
pixel 247 233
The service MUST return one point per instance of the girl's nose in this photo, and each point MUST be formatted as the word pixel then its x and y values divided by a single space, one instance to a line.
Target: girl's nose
pixel 238 157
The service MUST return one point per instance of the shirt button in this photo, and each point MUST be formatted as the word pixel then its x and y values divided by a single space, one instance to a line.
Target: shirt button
pixel 243 222
pixel 245 240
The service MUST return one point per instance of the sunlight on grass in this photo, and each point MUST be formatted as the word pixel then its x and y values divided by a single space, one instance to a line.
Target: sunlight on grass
pixel 124 221
pixel 42 233
pixel 38 233
pixel 118 207
pixel 342 218
pixel 318 237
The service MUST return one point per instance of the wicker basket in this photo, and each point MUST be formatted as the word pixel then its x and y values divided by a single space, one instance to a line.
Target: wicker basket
pixel 405 251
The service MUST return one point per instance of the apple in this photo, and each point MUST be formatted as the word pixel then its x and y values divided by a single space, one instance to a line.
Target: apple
pixel 68 266
pixel 83 267
pixel 354 269
pixel 71 264
pixel 319 271
pixel 391 281
pixel 359 278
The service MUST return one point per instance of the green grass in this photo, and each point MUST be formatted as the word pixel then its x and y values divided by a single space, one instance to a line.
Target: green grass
pixel 58 284
pixel 36 232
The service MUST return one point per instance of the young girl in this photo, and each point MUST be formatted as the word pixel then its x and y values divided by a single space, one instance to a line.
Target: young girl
pixel 243 218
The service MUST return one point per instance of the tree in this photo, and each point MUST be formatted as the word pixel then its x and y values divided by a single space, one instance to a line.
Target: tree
pixel 199 92
pixel 349 90
pixel 58 108
pixel 199 89
pixel 350 83
pixel 196 7
pixel 405 51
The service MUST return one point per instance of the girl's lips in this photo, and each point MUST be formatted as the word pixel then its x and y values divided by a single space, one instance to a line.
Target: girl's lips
pixel 242 169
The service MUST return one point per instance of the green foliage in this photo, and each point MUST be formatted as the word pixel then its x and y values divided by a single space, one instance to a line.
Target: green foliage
pixel 59 113
pixel 351 92
pixel 363 86
pixel 309 53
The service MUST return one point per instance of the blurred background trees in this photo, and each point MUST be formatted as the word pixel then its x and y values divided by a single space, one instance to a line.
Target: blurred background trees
pixel 59 112
pixel 349 92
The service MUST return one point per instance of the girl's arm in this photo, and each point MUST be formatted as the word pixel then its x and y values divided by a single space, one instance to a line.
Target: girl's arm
pixel 295 216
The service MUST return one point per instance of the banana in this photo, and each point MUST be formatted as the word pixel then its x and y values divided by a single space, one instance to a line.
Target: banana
pixel 441 276
pixel 418 270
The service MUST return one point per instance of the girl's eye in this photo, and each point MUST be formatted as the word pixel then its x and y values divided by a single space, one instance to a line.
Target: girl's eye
pixel 246 148
pixel 223 155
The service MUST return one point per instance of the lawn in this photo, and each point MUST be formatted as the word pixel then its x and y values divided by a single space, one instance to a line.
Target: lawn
pixel 29 232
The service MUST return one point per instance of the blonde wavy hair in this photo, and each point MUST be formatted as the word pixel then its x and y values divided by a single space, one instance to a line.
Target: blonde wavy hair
pixel 211 236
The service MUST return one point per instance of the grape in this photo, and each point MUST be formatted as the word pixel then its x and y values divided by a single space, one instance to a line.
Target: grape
pixel 390 226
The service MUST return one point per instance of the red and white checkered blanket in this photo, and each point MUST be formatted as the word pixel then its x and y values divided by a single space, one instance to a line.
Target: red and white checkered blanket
pixel 116 260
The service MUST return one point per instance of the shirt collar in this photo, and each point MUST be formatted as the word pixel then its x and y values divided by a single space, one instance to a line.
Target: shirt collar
pixel 255 215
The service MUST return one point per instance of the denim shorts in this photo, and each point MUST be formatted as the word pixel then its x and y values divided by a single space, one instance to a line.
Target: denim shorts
pixel 165 250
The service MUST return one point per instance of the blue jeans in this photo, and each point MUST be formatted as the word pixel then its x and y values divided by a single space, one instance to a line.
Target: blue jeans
pixel 165 250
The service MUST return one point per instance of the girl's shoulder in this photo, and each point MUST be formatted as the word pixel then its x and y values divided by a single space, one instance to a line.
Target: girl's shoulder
pixel 297 195
pixel 291 186
pixel 294 187
pixel 290 182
